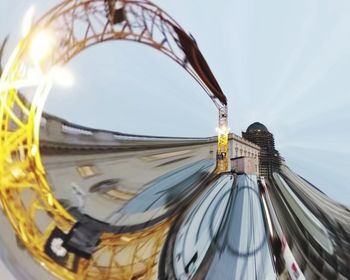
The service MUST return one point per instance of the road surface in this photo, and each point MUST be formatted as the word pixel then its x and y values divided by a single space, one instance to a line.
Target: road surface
pixel 241 244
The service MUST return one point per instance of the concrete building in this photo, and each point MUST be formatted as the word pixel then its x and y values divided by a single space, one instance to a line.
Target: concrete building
pixel 57 133
pixel 270 159
pixel 241 147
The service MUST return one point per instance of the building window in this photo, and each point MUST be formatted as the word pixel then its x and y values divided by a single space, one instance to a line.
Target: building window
pixel 87 171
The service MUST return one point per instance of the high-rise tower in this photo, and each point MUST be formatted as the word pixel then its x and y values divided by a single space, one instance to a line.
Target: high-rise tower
pixel 270 159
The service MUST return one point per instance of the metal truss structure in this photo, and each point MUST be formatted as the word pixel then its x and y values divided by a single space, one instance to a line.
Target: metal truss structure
pixel 126 256
pixel 81 24
pixel 25 194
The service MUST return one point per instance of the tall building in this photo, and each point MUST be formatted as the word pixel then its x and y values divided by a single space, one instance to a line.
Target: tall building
pixel 270 159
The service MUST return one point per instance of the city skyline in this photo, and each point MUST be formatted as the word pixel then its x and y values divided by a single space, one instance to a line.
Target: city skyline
pixel 174 140
pixel 283 64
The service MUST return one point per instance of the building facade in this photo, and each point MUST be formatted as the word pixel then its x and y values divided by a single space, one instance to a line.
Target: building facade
pixel 270 159
pixel 241 147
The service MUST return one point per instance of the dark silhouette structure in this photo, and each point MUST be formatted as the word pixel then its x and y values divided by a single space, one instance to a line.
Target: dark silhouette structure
pixel 270 159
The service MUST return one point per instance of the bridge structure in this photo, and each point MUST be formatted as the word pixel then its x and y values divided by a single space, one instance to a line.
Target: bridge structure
pixel 184 216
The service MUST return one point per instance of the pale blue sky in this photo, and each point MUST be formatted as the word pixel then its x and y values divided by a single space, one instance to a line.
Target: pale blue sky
pixel 283 63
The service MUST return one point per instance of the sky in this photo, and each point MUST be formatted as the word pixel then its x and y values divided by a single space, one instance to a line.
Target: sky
pixel 282 63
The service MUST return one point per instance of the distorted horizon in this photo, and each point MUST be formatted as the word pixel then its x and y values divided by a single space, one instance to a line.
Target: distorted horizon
pixel 283 64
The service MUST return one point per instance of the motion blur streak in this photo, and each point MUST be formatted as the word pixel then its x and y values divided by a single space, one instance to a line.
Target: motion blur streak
pixel 87 203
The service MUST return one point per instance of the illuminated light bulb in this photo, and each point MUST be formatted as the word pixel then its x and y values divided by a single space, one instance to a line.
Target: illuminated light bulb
pixel 17 173
pixel 62 76
pixel 50 199
pixel 41 45
pixel 222 130
pixel 34 150
pixel 27 21
pixel 126 238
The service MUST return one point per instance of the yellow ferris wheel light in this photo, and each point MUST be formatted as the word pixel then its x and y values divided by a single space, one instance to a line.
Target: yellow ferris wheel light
pixel 41 45
pixel 34 65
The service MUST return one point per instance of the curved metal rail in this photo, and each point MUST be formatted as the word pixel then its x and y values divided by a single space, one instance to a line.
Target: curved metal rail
pixel 24 191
